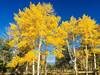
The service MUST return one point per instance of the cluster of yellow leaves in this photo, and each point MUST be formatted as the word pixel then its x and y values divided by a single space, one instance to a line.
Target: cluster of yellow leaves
pixel 22 44
pixel 28 57
pixel 31 55
pixel 37 20
pixel 65 26
pixel 16 61
pixel 11 43
pixel 70 26
pixel 86 28
pixel 96 51
pixel 58 54
pixel 55 41
pixel 89 32
pixel 13 27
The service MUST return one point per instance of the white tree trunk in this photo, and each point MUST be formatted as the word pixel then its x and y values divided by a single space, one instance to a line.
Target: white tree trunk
pixel 95 63
pixel 86 61
pixel 26 68
pixel 38 64
pixel 45 65
pixel 33 68
pixel 75 65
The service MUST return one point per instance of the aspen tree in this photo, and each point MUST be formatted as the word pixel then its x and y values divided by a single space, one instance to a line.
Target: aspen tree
pixel 33 25
pixel 86 28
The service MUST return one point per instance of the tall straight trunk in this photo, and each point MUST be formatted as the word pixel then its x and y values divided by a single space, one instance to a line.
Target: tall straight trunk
pixel 86 60
pixel 45 71
pixel 3 62
pixel 95 64
pixel 94 60
pixel 33 68
pixel 69 50
pixel 38 63
pixel 26 68
pixel 45 66
pixel 75 65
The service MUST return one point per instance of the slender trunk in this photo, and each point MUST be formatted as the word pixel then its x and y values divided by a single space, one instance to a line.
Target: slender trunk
pixel 69 50
pixel 3 62
pixel 75 65
pixel 26 68
pixel 95 64
pixel 33 68
pixel 86 61
pixel 38 64
pixel 94 60
pixel 74 49
pixel 45 66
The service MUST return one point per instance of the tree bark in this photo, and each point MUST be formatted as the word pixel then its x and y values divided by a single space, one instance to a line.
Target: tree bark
pixel 74 50
pixel 95 64
pixel 86 61
pixel 26 68
pixel 33 68
pixel 38 64
pixel 45 66
pixel 75 65
pixel 69 50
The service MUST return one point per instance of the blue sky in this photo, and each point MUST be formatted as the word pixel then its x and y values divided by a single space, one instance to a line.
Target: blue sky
pixel 63 8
